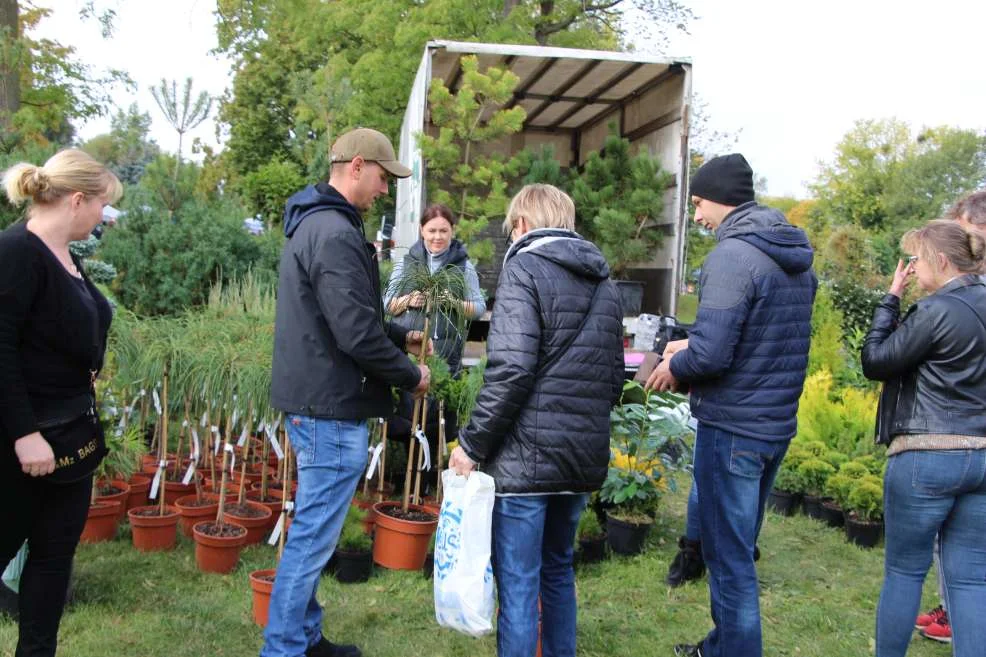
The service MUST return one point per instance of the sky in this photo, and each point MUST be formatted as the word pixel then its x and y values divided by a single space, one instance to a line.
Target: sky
pixel 788 78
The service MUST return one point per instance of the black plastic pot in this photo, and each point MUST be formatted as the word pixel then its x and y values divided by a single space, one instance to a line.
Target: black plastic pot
pixel 783 502
pixel 626 537
pixel 863 534
pixel 593 550
pixel 631 297
pixel 352 567
pixel 813 507
pixel 330 567
pixel 429 568
pixel 832 514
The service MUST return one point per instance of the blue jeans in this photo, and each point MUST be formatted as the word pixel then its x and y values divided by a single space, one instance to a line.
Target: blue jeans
pixel 734 476
pixel 929 492
pixel 533 538
pixel 693 522
pixel 331 458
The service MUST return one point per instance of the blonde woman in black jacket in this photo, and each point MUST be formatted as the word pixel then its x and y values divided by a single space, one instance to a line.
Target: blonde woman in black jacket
pixel 53 327
pixel 540 427
pixel 933 415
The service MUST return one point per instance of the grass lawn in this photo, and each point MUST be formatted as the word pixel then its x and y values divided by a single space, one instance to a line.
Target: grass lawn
pixel 818 600
pixel 687 308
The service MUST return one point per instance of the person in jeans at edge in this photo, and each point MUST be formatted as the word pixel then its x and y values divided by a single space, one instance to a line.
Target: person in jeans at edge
pixel 335 360
pixel 933 365
pixel 745 360
pixel 540 427
pixel 970 212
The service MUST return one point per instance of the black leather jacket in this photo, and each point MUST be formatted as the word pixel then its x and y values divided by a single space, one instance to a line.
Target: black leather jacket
pixel 933 362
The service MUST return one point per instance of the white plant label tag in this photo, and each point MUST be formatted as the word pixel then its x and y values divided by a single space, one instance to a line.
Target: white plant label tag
pixel 374 460
pixel 187 479
pixel 156 482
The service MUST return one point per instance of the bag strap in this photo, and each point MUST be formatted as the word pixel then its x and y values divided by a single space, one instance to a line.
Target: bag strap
pixel 553 358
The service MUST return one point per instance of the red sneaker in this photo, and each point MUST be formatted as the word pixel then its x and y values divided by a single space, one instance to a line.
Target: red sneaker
pixel 933 616
pixel 940 631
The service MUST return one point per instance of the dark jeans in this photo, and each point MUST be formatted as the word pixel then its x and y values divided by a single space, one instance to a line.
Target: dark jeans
pixel 50 518
pixel 929 493
pixel 734 476
pixel 533 538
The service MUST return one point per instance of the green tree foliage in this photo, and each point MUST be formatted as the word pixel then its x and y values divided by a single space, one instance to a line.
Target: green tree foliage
pixel 267 189
pixel 464 177
pixel 307 70
pixel 619 202
pixel 55 86
pixel 127 148
pixel 166 265
pixel 182 111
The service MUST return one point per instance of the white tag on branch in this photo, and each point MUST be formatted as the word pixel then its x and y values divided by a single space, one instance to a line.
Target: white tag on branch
pixel 229 448
pixel 187 479
pixel 278 528
pixel 195 445
pixel 156 482
pixel 374 460
pixel 276 446
pixel 204 422
pixel 425 449
pixel 157 401
pixel 243 436
pixel 215 442
pixel 277 425
pixel 236 414
pixel 380 421
pixel 184 424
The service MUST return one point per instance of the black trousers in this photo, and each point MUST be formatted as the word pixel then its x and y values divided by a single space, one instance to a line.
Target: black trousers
pixel 50 518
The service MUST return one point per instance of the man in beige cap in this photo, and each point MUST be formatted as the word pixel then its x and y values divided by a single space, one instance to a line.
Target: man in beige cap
pixel 335 361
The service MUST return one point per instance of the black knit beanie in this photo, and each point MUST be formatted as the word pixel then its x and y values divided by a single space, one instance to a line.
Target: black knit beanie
pixel 727 179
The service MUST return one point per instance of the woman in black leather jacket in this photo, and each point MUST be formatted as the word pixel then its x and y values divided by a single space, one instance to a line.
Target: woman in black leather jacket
pixel 933 416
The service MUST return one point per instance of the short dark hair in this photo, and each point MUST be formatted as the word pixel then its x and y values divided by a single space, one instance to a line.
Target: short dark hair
pixel 436 210
pixel 972 206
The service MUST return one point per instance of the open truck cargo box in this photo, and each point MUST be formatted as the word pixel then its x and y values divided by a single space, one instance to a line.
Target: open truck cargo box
pixel 571 97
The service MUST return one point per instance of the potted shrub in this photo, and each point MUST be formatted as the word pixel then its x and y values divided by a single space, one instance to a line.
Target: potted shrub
pixel 785 497
pixel 218 543
pixel 591 538
pixel 110 490
pixel 354 552
pixel 640 434
pixel 864 512
pixel 619 200
pixel 837 490
pixel 814 472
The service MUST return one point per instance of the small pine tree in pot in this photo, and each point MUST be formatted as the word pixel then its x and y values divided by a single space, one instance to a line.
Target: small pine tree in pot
pixel 619 204
pixel 354 557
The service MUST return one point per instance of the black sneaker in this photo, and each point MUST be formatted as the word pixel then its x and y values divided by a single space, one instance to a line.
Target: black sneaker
pixel 688 650
pixel 687 564
pixel 325 648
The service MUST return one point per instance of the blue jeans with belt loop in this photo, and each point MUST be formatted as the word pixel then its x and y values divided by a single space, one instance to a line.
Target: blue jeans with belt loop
pixel 331 457
pixel 924 493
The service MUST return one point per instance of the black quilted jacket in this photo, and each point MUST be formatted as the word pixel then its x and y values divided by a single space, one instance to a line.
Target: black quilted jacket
pixel 541 421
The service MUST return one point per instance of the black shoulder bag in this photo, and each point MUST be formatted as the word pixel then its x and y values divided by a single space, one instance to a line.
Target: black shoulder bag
pixel 72 428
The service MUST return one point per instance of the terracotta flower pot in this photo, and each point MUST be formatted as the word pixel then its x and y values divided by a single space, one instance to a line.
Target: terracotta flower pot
pixel 139 487
pixel 261 583
pixel 401 544
pixel 276 489
pixel 256 526
pixel 193 513
pixel 152 533
pixel 176 489
pixel 101 522
pixel 212 486
pixel 273 503
pixel 122 496
pixel 149 463
pixel 218 554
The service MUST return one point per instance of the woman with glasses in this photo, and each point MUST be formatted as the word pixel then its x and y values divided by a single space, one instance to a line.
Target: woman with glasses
pixel 933 365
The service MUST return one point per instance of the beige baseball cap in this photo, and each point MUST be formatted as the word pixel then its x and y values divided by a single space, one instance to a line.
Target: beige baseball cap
pixel 372 146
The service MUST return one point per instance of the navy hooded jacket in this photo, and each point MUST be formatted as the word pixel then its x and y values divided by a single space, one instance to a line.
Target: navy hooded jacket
pixel 748 350
pixel 334 355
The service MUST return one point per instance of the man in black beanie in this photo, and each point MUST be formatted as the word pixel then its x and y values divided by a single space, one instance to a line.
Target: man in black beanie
pixel 745 360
